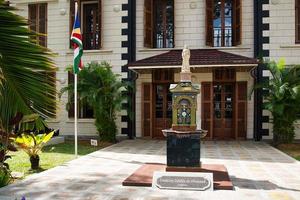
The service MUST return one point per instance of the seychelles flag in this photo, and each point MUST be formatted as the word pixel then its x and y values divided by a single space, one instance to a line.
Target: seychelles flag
pixel 77 42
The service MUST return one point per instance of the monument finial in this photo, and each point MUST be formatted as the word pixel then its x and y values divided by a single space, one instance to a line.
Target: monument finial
pixel 186 54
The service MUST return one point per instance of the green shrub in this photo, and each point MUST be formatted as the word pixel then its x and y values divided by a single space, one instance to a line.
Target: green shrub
pixel 282 99
pixel 102 89
pixel 5 176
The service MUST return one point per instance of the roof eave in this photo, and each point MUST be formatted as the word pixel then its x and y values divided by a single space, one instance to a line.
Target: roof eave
pixel 193 66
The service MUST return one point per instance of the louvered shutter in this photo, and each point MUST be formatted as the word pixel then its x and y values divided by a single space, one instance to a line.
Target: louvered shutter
pixel 42 20
pixel 241 110
pixel 146 109
pixel 209 23
pixel 32 16
pixel 237 23
pixel 148 23
pixel 297 21
pixel 206 108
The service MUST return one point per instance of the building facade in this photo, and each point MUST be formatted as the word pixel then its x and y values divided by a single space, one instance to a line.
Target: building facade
pixel 143 39
pixel 105 37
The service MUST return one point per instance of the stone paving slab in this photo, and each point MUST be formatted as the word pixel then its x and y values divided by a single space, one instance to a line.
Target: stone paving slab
pixel 257 170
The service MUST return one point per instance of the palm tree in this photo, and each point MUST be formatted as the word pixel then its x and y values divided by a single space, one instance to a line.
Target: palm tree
pixel 282 99
pixel 102 89
pixel 23 65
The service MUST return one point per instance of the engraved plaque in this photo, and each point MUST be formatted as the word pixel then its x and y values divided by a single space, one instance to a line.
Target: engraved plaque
pixel 183 181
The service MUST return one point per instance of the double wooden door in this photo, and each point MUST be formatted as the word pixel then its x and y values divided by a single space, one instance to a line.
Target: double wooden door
pixel 223 110
pixel 162 114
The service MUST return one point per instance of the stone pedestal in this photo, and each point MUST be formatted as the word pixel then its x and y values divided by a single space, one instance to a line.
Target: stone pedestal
pixel 185 77
pixel 183 148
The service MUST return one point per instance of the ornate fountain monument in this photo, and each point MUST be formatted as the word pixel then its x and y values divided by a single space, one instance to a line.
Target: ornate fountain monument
pixel 183 146
pixel 183 139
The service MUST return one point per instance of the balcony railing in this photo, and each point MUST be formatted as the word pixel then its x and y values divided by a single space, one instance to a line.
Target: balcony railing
pixel 91 40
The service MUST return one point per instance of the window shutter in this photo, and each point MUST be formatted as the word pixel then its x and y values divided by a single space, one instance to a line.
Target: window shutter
pixel 100 22
pixel 206 108
pixel 71 109
pixel 32 16
pixel 50 77
pixel 297 27
pixel 148 23
pixel 42 20
pixel 72 18
pixel 146 109
pixel 241 110
pixel 209 23
pixel 237 23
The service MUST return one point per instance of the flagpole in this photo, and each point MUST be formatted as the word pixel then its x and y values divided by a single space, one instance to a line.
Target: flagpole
pixel 75 112
pixel 76 38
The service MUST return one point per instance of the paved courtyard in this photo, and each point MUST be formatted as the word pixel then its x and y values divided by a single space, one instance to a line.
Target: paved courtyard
pixel 257 170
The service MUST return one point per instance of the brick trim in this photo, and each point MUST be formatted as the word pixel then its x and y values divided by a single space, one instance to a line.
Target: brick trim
pixel 260 52
pixel 129 56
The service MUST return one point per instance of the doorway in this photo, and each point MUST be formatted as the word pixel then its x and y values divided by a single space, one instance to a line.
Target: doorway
pixel 223 110
pixel 162 109
pixel 161 101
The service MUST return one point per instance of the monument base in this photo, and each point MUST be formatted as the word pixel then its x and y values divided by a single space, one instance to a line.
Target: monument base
pixel 143 176
pixel 183 150
pixel 183 147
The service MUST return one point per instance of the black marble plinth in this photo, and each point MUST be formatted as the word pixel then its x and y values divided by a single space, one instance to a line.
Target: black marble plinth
pixel 183 150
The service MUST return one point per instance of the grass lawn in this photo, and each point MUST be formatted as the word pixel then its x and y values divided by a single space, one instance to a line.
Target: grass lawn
pixel 51 156
pixel 291 149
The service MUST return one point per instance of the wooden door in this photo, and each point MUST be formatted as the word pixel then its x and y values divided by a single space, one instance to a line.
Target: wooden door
pixel 206 108
pixel 223 107
pixel 162 113
pixel 147 109
pixel 241 110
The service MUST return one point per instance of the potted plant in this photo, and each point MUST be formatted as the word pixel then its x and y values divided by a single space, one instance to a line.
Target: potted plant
pixel 32 144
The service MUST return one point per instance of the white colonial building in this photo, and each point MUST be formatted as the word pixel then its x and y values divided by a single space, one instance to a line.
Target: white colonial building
pixel 143 39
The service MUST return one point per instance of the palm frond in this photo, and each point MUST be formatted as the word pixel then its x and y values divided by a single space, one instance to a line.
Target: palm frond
pixel 23 65
pixel 282 98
